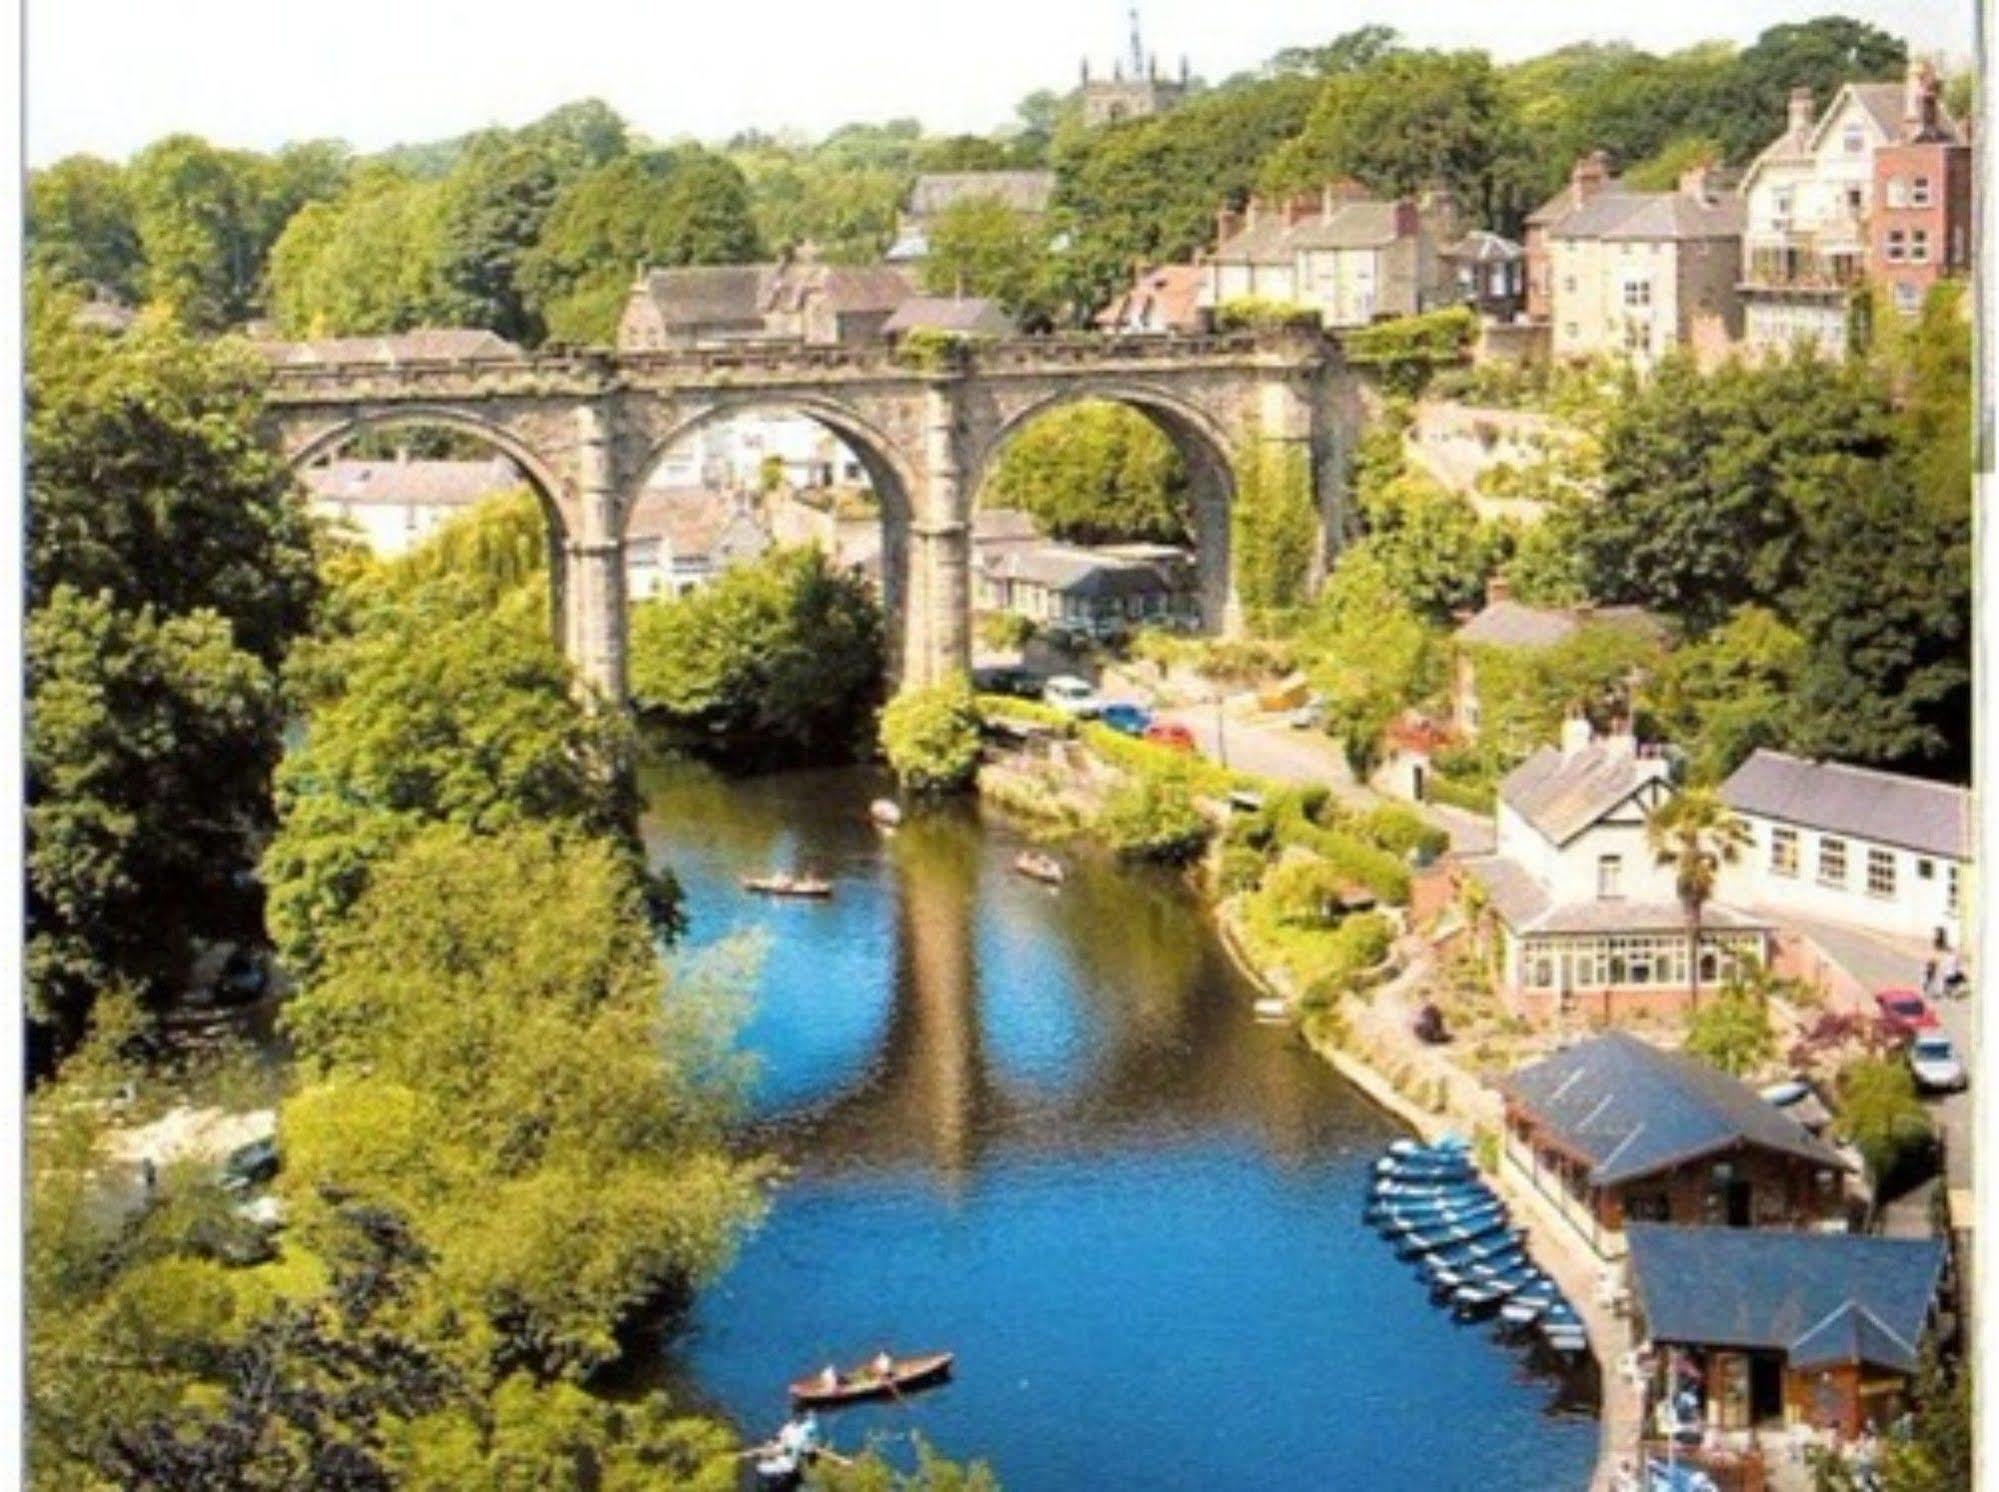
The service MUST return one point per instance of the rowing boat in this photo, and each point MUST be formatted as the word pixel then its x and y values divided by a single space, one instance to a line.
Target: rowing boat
pixel 810 886
pixel 886 812
pixel 905 1375
pixel 1039 867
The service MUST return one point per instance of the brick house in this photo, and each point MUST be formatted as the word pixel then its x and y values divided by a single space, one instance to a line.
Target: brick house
pixel 1614 1131
pixel 1786 1328
pixel 1921 230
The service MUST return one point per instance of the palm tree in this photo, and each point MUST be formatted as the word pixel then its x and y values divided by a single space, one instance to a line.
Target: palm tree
pixel 1696 834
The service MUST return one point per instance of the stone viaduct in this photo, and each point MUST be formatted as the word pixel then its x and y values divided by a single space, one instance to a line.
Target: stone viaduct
pixel 587 427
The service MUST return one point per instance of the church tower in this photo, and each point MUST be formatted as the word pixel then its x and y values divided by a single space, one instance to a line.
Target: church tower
pixel 1135 89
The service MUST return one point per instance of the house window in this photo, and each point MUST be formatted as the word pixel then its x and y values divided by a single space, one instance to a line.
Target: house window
pixel 1855 200
pixel 1919 194
pixel 1898 191
pixel 1784 852
pixel 1881 873
pixel 1832 861
pixel 1919 246
pixel 1854 141
pixel 1926 869
pixel 1609 877
pixel 1637 292
pixel 1569 284
pixel 1896 246
pixel 1569 329
pixel 1906 297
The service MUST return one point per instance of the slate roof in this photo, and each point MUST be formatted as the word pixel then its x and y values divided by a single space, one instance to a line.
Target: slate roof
pixel 1510 889
pixel 944 313
pixel 1822 1299
pixel 422 344
pixel 1023 191
pixel 1525 906
pixel 710 294
pixel 1352 224
pixel 1932 818
pixel 691 520
pixel 430 484
pixel 1513 624
pixel 1631 1109
pixel 1482 246
pixel 1075 571
pixel 1561 793
pixel 1562 202
pixel 1649 216
pixel 1884 104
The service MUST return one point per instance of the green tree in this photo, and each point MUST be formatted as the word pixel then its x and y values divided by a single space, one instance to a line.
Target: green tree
pixel 1662 171
pixel 776 660
pixel 1732 1032
pixel 494 205
pixel 1694 834
pixel 1095 473
pixel 979 246
pixel 82 225
pixel 1937 1454
pixel 1881 1116
pixel 931 736
pixel 149 750
pixel 1732 691
pixel 1153 816
pixel 1369 653
pixel 1820 54
pixel 201 222
pixel 146 481
pixel 370 260
pixel 1273 532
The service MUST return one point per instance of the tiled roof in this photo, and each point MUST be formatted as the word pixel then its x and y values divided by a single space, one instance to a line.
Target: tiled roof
pixel 1649 216
pixel 1510 889
pixel 430 484
pixel 1933 818
pixel 1822 1299
pixel 1023 191
pixel 692 520
pixel 946 313
pixel 1618 916
pixel 708 294
pixel 425 343
pixel 1002 525
pixel 1512 624
pixel 1167 298
pixel 1561 793
pixel 1631 1109
pixel 1270 239
pixel 1562 203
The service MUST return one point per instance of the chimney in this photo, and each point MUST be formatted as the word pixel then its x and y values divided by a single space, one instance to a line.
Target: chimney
pixel 1919 108
pixel 1576 734
pixel 1801 112
pixel 1408 222
pixel 1697 182
pixel 1298 207
pixel 1440 210
pixel 1497 588
pixel 1621 742
pixel 1228 223
pixel 1589 176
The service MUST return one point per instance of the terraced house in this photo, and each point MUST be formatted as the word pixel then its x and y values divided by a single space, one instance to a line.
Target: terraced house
pixel 1352 258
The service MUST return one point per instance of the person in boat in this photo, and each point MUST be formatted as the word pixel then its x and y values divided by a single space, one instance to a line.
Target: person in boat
pixel 809 1436
pixel 829 1377
pixel 883 1365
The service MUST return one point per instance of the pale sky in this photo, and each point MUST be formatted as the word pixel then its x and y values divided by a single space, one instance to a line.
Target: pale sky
pixel 107 76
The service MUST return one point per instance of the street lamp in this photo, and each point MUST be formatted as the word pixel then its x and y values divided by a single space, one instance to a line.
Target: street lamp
pixel 1221 729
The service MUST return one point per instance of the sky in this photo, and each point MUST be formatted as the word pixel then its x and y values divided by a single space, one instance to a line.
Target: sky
pixel 108 76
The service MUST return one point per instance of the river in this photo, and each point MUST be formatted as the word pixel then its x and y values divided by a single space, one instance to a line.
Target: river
pixel 1039 1128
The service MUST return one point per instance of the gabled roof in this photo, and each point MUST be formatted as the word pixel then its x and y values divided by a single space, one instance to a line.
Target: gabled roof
pixel 1351 225
pixel 1563 202
pixel 945 313
pixel 423 344
pixel 1822 1299
pixel 1074 570
pixel 1023 191
pixel 710 294
pixel 1561 793
pixel 1481 246
pixel 428 484
pixel 1932 818
pixel 1653 216
pixel 1513 624
pixel 1167 297
pixel 1630 1109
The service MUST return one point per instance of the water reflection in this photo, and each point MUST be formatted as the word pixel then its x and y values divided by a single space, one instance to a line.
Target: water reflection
pixel 1039 1128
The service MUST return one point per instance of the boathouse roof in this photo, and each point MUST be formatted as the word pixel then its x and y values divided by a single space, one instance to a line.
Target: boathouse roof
pixel 1822 1299
pixel 1630 1109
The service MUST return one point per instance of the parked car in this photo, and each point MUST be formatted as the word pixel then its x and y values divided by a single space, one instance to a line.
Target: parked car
pixel 1170 734
pixel 1072 696
pixel 1934 1064
pixel 1308 716
pixel 1904 1013
pixel 1127 719
pixel 1017 682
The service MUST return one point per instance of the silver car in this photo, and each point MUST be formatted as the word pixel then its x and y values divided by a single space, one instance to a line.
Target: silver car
pixel 1933 1062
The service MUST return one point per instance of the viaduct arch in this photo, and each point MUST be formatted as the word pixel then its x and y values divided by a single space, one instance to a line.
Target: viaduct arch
pixel 587 428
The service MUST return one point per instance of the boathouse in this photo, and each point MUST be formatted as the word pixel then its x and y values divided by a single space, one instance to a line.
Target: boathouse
pixel 1769 1328
pixel 1615 1131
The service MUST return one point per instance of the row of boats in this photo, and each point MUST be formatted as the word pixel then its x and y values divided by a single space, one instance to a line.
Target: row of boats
pixel 1437 1212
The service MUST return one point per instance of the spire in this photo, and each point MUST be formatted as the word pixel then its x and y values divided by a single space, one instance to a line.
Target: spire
pixel 1137 47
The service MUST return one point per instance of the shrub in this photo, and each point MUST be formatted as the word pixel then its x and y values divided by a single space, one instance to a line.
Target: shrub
pixel 1409 349
pixel 1240 869
pixel 1400 829
pixel 1154 818
pixel 1260 313
pixel 931 736
pixel 1882 1117
pixel 1005 631
pixel 1473 794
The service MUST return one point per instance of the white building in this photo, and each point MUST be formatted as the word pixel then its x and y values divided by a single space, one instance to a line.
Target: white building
pixel 678 541
pixel 732 454
pixel 1587 921
pixel 394 505
pixel 1851 845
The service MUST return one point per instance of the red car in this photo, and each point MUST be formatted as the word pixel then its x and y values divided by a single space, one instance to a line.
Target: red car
pixel 1170 733
pixel 1904 1012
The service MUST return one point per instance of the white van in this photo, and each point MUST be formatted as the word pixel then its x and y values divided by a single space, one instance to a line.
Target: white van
pixel 1072 696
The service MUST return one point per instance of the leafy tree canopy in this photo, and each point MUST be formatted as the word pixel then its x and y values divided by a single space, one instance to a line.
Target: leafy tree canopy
pixel 1095 473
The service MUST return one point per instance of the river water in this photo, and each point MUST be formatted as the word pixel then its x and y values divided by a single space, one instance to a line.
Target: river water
pixel 1040 1129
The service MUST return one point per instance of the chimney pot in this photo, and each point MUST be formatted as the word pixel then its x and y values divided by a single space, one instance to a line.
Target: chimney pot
pixel 1801 111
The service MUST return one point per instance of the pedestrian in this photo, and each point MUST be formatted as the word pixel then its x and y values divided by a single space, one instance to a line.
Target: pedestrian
pixel 1930 980
pixel 149 1175
pixel 1953 974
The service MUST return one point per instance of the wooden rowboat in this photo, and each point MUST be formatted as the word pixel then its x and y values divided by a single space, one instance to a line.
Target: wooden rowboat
pixel 788 886
pixel 886 812
pixel 1039 867
pixel 907 1375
